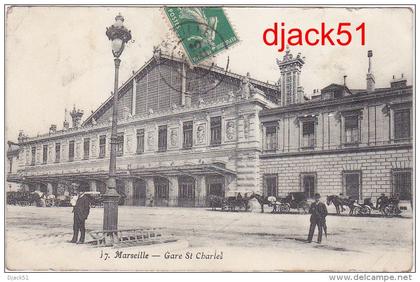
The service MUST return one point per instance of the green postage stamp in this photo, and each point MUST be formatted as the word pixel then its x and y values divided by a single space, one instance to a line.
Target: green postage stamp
pixel 203 31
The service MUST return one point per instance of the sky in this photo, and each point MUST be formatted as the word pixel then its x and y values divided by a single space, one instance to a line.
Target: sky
pixel 57 57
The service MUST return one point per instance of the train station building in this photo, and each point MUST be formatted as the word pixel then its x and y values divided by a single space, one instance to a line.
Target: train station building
pixel 185 133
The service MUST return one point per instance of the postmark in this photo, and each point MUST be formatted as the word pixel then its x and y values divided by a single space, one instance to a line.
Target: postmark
pixel 203 31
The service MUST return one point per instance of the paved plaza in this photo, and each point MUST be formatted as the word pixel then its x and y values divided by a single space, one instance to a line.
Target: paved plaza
pixel 36 238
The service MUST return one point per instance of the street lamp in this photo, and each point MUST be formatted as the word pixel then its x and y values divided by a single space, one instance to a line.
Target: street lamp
pixel 119 36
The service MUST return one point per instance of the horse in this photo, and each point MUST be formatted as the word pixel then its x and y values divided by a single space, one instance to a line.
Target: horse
pixel 242 202
pixel 262 200
pixel 340 203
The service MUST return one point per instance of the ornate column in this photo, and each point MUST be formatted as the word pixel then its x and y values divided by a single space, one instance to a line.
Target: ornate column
pixel 200 191
pixel 50 190
pixel 92 186
pixel 173 191
pixel 129 191
pixel 150 191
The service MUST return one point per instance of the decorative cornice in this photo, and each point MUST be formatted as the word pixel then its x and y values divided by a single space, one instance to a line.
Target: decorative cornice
pixel 219 103
pixel 337 151
pixel 347 101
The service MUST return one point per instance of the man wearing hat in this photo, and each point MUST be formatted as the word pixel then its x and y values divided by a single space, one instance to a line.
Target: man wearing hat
pixel 80 214
pixel 318 212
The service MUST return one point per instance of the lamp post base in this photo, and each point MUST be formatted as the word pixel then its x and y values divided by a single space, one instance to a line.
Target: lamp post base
pixel 111 198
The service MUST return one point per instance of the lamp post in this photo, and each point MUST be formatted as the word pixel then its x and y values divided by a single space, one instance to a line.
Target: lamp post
pixel 119 36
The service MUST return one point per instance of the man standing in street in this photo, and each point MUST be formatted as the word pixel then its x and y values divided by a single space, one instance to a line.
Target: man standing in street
pixel 318 212
pixel 80 214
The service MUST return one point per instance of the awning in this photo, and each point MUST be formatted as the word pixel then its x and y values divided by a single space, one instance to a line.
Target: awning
pixel 196 169
pixel 190 169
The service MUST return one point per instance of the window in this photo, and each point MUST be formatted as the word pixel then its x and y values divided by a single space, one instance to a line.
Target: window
pixel 86 147
pixel 402 124
pixel 270 185
pixel 10 165
pixel 33 152
pixel 71 151
pixel 271 138
pixel 216 130
pixel 187 134
pixel 140 141
pixel 57 152
pixel 308 184
pixel 44 154
pixel 308 134
pixel 162 138
pixel 120 144
pixel 102 145
pixel 401 184
pixel 351 129
pixel 288 88
pixel 352 184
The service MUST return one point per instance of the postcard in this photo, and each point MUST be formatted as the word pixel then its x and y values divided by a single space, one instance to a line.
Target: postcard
pixel 209 138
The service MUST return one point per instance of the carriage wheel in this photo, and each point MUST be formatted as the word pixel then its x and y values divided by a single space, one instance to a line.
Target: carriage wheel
pixel 356 211
pixel 366 211
pixel 389 211
pixel 305 208
pixel 224 207
pixel 284 207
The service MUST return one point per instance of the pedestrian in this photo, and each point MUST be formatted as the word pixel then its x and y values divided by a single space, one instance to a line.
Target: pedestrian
pixel 80 214
pixel 318 212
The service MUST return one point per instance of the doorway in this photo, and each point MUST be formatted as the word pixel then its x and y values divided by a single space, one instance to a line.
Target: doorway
pixel 215 186
pixel 186 191
pixel 161 191
pixel 139 193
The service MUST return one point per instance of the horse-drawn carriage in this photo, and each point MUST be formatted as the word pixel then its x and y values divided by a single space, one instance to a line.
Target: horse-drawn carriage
pixel 294 200
pixel 25 198
pixel 387 206
pixel 21 198
pixel 230 202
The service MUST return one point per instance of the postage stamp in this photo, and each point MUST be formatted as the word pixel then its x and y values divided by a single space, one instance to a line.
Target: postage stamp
pixel 203 32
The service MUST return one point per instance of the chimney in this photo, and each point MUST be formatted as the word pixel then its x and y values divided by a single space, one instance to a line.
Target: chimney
pixel 65 122
pixel 344 80
pixel 76 117
pixel 22 137
pixel 53 128
pixel 370 78
pixel 398 82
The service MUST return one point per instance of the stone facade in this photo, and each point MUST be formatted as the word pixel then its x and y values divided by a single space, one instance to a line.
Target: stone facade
pixel 157 165
pixel 375 167
pixel 178 145
pixel 357 144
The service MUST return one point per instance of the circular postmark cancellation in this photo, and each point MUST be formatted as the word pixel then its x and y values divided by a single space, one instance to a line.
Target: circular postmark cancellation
pixel 197 42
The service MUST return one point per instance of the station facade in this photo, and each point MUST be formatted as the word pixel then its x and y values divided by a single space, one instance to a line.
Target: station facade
pixel 186 133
